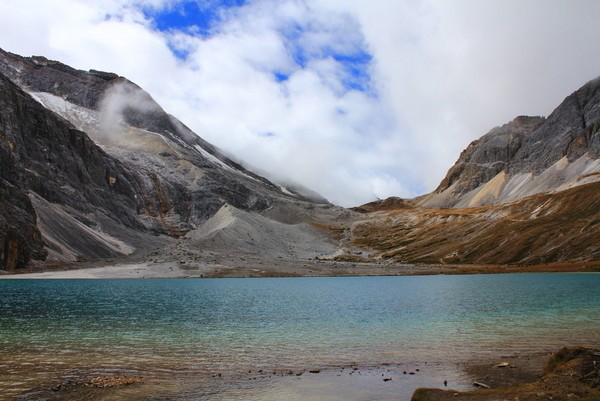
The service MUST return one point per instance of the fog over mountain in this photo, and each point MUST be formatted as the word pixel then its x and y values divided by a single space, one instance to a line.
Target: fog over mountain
pixel 380 95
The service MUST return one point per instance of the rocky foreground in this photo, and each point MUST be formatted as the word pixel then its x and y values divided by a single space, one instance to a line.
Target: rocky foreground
pixel 569 374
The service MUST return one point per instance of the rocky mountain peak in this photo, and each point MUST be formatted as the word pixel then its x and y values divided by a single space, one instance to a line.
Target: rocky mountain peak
pixel 484 158
pixel 526 123
pixel 528 155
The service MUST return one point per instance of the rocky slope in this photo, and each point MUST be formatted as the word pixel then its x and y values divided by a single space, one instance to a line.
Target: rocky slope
pixel 46 160
pixel 527 192
pixel 529 155
pixel 93 168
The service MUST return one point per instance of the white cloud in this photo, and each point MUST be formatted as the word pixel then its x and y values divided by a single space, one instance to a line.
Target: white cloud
pixel 442 73
pixel 115 101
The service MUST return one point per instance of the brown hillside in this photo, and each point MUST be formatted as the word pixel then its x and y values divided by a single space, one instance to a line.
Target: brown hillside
pixel 557 227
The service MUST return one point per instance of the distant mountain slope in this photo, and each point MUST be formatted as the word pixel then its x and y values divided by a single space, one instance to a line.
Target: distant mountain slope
pixel 529 155
pixel 93 168
pixel 115 112
pixel 543 228
pixel 527 192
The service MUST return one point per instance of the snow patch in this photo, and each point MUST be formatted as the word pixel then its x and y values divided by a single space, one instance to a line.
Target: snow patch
pixel 215 160
pixel 287 192
pixel 82 118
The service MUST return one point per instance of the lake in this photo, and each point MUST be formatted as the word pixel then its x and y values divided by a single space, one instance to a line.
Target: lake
pixel 224 338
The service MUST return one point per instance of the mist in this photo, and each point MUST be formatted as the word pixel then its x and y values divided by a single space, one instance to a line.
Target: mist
pixel 117 101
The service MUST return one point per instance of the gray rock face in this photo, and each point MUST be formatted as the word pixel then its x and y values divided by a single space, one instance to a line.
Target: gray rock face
pixel 528 155
pixel 571 130
pixel 20 239
pixel 42 153
pixel 484 158
pixel 136 172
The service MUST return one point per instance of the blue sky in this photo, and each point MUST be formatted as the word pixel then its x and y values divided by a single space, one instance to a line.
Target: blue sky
pixel 354 99
pixel 203 19
pixel 196 16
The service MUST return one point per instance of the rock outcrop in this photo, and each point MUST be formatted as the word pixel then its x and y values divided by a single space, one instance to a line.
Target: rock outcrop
pixel 529 155
pixel 44 157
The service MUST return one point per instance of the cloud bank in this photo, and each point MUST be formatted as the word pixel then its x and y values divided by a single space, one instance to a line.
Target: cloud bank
pixel 353 99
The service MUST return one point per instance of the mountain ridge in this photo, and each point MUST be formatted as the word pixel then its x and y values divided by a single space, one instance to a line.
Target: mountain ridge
pixel 162 180
pixel 93 169
pixel 526 156
pixel 527 192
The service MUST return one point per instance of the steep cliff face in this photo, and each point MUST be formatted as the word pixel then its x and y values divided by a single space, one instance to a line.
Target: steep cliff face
pixel 43 154
pixel 20 239
pixel 528 155
pixel 102 170
pixel 484 158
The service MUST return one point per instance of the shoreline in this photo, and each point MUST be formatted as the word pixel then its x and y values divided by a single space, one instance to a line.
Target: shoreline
pixel 251 268
pixel 566 374
pixel 402 381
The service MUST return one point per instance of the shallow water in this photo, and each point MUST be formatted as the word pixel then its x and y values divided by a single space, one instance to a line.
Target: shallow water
pixel 193 329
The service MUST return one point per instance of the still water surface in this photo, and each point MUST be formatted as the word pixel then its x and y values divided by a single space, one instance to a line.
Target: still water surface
pixel 192 329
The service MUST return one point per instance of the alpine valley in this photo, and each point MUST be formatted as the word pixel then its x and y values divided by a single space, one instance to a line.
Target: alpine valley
pixel 95 174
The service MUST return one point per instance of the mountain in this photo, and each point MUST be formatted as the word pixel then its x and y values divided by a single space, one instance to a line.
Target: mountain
pixel 93 168
pixel 527 192
pixel 543 228
pixel 527 156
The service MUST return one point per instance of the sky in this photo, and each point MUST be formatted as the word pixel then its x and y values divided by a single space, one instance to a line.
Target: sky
pixel 354 99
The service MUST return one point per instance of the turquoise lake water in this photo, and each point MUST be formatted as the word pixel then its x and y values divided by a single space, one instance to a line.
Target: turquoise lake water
pixel 194 329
